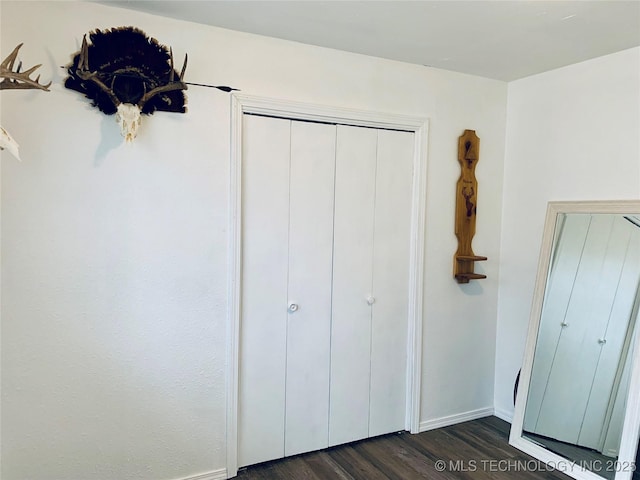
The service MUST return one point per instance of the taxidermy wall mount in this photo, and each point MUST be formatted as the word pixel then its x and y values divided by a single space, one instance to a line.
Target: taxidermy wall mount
pixel 16 80
pixel 127 73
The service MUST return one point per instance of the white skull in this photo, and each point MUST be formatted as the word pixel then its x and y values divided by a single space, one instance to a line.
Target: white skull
pixel 7 141
pixel 128 117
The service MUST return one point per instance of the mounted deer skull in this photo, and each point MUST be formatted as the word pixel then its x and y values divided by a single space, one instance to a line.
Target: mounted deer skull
pixel 14 80
pixel 127 73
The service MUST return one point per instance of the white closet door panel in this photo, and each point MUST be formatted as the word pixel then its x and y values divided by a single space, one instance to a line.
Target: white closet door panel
pixel 616 296
pixel 613 435
pixel 310 264
pixel 352 283
pixel 391 282
pixel 265 225
pixel 566 261
pixel 578 343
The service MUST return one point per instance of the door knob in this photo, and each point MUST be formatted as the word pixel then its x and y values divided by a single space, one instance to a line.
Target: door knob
pixel 293 307
pixel 602 341
pixel 371 300
pixel 564 324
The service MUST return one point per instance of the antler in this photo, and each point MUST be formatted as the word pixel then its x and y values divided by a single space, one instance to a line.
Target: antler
pixel 85 74
pixel 169 87
pixel 17 80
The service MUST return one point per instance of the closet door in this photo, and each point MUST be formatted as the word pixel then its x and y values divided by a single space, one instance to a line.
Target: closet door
pixel 288 172
pixel 352 284
pixel 585 322
pixel 370 283
pixel 265 259
pixel 310 254
pixel 617 305
pixel 389 322
pixel 325 253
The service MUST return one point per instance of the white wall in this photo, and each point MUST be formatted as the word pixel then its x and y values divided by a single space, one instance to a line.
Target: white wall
pixel 114 256
pixel 572 134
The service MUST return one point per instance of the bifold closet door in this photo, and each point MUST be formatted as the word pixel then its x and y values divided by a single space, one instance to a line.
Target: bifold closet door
pixel 283 391
pixel 370 283
pixel 585 321
pixel 265 257
pixel 310 254
pixel 325 271
pixel 352 284
pixel 389 321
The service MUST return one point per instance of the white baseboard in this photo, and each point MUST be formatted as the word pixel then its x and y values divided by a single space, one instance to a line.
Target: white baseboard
pixel 506 415
pixel 220 474
pixel 453 419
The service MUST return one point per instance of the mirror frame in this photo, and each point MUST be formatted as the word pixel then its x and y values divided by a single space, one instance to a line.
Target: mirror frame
pixel 631 426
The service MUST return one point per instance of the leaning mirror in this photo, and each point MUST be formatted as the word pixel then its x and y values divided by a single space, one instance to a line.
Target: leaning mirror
pixel 577 406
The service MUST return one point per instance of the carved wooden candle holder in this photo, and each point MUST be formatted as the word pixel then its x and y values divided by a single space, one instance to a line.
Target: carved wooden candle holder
pixel 466 202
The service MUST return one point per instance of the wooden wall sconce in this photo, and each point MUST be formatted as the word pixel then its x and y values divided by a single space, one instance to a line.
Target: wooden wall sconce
pixel 466 201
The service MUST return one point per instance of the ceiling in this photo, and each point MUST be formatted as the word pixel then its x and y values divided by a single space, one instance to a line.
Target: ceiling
pixel 504 40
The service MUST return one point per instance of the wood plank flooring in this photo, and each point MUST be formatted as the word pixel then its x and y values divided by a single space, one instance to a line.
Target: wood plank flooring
pixel 475 450
pixel 583 456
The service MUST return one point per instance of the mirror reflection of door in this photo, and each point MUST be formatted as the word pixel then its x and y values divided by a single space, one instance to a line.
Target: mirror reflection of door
pixel 582 360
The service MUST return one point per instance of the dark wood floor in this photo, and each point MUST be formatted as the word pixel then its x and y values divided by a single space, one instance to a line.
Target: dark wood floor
pixel 582 456
pixel 473 450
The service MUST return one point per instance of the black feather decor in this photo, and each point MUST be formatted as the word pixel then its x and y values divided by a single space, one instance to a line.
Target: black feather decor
pixel 124 65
